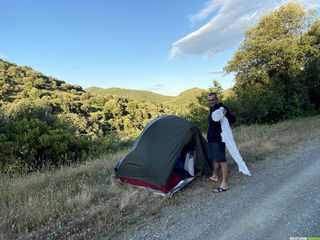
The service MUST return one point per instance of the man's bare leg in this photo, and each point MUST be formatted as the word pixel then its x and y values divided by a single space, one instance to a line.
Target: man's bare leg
pixel 224 170
pixel 215 166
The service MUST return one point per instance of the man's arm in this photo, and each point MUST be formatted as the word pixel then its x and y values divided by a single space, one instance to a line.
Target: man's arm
pixel 231 118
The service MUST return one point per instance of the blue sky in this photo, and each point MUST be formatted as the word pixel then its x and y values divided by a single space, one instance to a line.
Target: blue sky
pixel 166 46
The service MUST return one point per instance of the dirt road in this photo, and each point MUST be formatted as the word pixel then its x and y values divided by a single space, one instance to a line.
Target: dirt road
pixel 280 200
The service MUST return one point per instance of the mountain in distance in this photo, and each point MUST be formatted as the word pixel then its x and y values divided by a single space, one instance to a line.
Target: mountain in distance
pixel 142 95
pixel 183 99
pixel 186 97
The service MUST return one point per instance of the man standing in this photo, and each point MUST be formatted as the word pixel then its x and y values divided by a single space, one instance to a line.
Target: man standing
pixel 216 148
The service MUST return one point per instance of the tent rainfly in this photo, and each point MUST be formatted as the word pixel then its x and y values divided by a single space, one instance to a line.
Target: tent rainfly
pixel 169 153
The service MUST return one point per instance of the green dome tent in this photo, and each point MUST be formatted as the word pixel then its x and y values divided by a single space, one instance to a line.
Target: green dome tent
pixel 158 157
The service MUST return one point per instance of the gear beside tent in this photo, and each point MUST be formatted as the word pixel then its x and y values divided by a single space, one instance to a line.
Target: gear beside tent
pixel 169 153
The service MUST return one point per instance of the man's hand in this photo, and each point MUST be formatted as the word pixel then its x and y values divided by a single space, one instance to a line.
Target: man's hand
pixel 224 111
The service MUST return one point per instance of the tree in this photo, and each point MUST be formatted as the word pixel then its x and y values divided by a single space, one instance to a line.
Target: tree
pixel 39 83
pixel 269 62
pixel 312 69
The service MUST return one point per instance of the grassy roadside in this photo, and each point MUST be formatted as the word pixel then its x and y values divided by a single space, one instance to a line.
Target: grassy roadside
pixel 259 141
pixel 84 201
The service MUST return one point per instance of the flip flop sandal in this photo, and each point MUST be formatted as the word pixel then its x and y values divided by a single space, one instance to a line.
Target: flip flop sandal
pixel 219 189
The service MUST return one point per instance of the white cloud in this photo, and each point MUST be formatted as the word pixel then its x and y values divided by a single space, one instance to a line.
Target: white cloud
pixel 209 8
pixel 229 20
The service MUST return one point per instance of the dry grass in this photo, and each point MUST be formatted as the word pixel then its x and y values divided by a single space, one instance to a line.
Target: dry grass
pixel 255 142
pixel 83 201
pixel 73 202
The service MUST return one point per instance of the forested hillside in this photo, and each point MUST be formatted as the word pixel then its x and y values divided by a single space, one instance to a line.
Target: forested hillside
pixel 22 89
pixel 186 98
pixel 141 95
pixel 46 119
pixel 178 103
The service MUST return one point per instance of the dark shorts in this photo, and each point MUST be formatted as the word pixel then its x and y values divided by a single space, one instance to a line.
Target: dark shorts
pixel 217 152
